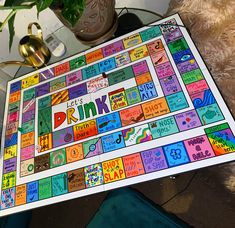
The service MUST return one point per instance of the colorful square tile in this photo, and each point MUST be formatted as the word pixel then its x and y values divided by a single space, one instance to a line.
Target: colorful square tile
pixel 210 114
pixel 137 135
pixel 8 198
pixel 76 180
pixel 20 197
pixel 188 120
pixel 57 158
pixel 133 165
pixel 74 153
pixel 154 160
pixel 199 148
pixel 93 175
pixel 163 127
pixel 132 95
pixel 176 154
pixel 222 141
pixel 32 191
pixel 170 85
pixel 92 147
pixel 108 122
pixel 113 170
pixel 147 91
pixel 59 184
pixel 27 167
pixel 112 142
pixel 177 101
pixel 45 188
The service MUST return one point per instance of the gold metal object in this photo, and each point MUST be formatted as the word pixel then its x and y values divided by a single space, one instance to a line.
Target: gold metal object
pixel 32 49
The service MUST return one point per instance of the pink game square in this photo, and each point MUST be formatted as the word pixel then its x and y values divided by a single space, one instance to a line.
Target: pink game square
pixel 199 148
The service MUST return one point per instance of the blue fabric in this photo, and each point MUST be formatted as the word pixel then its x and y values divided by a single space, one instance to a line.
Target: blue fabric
pixel 128 208
pixel 20 220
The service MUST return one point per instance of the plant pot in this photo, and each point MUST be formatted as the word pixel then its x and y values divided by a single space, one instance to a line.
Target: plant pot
pixel 97 24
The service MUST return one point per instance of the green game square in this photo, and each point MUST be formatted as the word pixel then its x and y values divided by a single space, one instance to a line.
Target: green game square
pixel 28 126
pixel 120 75
pixel 133 95
pixel 57 84
pixel 45 188
pixel 59 184
pixel 29 94
pixel 13 107
pixel 192 76
pixel 57 158
pixel 44 121
pixel 150 33
pixel 78 62
pixel 163 127
pixel 210 114
pixel 44 102
pixel 178 45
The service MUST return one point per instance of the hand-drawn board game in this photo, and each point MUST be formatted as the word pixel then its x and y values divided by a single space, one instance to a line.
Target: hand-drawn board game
pixel 71 130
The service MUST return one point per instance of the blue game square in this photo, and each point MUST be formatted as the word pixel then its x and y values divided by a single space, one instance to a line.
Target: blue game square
pixel 107 65
pixel 176 154
pixel 147 91
pixel 11 140
pixel 90 71
pixel 182 56
pixel 32 191
pixel 113 141
pixel 15 87
pixel 177 101
pixel 108 122
pixel 59 184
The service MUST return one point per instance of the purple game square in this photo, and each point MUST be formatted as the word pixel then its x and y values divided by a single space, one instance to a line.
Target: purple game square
pixel 27 116
pixel 170 85
pixel 63 136
pixel 42 89
pixel 154 159
pixel 187 120
pixel 9 165
pixel 77 91
pixel 46 74
pixel 187 66
pixel 113 48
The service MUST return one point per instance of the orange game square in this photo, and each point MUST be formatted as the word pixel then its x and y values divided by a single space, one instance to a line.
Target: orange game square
pixel 94 56
pixel 74 153
pixel 20 195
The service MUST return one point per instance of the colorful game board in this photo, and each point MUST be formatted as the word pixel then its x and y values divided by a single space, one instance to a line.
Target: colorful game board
pixel 137 108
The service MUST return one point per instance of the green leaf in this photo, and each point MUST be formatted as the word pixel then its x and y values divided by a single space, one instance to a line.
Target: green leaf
pixel 71 15
pixel 11 31
pixel 43 4
pixel 72 11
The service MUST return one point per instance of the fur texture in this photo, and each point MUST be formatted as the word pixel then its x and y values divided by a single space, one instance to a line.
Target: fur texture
pixel 212 27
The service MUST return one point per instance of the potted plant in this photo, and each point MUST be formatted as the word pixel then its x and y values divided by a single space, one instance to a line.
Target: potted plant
pixel 92 21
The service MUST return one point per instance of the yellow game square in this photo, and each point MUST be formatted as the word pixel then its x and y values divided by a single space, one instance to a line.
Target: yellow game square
pixel 8 180
pixel 10 152
pixel 138 53
pixel 132 40
pixel 113 170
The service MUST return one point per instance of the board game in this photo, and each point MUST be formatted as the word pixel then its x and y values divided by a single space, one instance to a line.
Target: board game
pixel 139 107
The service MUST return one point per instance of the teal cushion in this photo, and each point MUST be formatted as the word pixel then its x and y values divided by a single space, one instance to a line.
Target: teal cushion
pixel 128 208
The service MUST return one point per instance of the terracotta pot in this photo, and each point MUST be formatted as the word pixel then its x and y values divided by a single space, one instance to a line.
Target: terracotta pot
pixel 97 24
